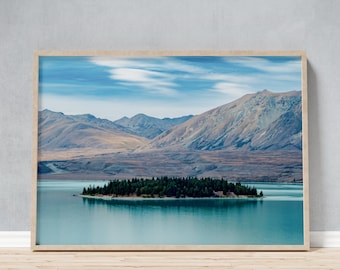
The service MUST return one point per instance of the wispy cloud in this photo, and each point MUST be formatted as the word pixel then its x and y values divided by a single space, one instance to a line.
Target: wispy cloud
pixel 232 90
pixel 158 82
pixel 121 62
pixel 231 86
pixel 149 63
pixel 156 75
pixel 266 64
pixel 229 77
pixel 170 64
pixel 132 72
pixel 273 73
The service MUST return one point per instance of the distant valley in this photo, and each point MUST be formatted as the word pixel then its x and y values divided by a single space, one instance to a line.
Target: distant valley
pixel 257 137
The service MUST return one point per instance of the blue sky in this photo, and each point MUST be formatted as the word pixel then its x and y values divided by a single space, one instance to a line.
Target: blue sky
pixel 113 87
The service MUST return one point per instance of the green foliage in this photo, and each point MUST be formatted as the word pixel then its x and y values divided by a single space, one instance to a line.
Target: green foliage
pixel 178 187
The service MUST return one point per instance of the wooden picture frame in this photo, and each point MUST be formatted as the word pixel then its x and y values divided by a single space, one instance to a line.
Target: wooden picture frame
pixel 206 150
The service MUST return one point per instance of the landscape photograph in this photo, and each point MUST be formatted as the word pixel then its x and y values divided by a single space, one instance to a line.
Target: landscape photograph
pixel 157 150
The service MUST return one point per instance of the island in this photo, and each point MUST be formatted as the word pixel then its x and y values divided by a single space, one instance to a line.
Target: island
pixel 172 187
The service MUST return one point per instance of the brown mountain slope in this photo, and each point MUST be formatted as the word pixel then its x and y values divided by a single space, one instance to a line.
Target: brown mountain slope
pixel 66 136
pixel 260 121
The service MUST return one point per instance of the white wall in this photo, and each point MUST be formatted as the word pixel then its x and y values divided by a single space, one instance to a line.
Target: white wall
pixel 26 26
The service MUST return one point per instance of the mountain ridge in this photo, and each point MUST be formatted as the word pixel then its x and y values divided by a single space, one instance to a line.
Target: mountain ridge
pixel 148 126
pixel 247 123
pixel 59 131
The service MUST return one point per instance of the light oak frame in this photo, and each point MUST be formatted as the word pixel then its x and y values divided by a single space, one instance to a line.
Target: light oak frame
pixel 303 247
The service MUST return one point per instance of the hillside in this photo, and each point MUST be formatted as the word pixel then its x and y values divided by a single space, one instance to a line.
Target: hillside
pixel 261 121
pixel 147 126
pixel 82 134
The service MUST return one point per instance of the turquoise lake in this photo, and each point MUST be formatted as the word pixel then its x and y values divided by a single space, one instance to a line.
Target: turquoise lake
pixel 65 219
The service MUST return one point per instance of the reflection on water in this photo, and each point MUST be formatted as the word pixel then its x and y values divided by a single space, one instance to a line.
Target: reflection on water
pixel 168 203
pixel 65 219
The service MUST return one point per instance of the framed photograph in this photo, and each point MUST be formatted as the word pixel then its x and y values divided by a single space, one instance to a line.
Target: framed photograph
pixel 170 150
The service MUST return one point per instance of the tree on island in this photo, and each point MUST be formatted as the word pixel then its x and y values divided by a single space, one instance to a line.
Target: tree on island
pixel 172 187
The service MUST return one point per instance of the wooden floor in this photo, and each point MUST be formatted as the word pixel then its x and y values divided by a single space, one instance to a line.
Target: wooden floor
pixel 23 258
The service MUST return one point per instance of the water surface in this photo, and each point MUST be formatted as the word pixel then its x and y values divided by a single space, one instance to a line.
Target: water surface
pixel 65 219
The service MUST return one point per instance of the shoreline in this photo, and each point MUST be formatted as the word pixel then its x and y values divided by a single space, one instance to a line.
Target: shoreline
pixel 108 180
pixel 112 198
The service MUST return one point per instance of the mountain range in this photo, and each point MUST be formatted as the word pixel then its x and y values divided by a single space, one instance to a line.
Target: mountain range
pixel 65 132
pixel 148 126
pixel 260 123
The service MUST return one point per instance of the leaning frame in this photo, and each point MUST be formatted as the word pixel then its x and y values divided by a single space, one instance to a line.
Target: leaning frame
pixel 74 146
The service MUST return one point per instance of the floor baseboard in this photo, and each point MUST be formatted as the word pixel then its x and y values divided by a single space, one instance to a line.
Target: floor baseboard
pixel 15 239
pixel 325 239
pixel 319 239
